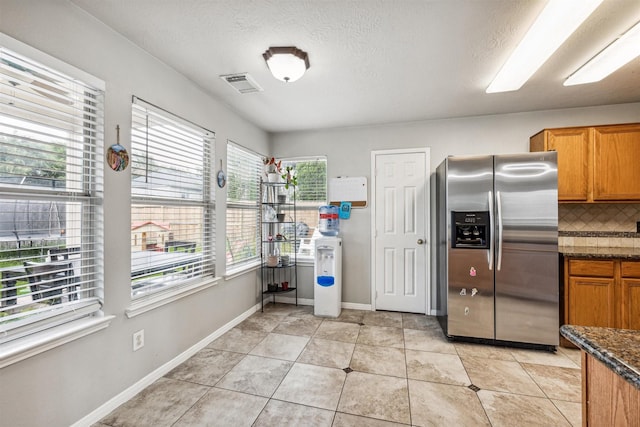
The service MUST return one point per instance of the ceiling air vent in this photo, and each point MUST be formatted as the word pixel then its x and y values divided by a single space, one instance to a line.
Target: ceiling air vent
pixel 242 82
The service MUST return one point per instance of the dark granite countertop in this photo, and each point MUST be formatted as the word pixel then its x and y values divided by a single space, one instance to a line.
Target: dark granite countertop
pixel 619 349
pixel 599 252
pixel 622 234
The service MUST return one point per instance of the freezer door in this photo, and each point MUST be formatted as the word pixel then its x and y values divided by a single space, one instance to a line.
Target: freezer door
pixel 470 295
pixel 526 232
pixel 469 183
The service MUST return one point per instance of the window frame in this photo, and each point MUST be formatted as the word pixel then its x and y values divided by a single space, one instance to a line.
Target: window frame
pixel 58 324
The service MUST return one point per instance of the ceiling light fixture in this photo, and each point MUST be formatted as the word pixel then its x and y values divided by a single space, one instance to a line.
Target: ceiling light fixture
pixel 557 21
pixel 617 54
pixel 286 63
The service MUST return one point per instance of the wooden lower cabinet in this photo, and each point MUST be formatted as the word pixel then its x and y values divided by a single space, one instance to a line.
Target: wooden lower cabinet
pixel 604 293
pixel 630 294
pixel 607 398
pixel 600 309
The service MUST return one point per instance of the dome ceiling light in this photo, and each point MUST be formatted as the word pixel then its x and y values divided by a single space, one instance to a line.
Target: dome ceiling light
pixel 287 64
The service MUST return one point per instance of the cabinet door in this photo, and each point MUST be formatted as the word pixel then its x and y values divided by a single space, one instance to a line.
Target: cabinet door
pixel 616 174
pixel 572 146
pixel 591 268
pixel 630 303
pixel 591 301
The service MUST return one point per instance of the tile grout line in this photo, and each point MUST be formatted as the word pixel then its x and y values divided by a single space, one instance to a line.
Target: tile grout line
pixel 275 389
pixel 406 368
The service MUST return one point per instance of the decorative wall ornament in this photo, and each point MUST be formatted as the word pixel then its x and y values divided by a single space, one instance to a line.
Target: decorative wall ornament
pixel 222 177
pixel 117 156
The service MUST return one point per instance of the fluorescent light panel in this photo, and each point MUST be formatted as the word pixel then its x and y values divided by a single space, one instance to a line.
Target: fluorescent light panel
pixel 557 21
pixel 617 54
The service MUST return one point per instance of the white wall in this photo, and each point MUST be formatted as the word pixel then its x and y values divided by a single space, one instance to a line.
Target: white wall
pixel 61 386
pixel 348 154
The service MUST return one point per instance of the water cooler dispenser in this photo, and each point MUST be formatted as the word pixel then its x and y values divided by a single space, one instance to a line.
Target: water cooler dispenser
pixel 327 292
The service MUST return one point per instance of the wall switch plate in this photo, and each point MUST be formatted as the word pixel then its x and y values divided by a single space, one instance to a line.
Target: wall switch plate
pixel 138 340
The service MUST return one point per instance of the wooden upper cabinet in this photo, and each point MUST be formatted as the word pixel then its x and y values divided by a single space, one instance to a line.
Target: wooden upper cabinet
pixel 616 175
pixel 572 146
pixel 595 164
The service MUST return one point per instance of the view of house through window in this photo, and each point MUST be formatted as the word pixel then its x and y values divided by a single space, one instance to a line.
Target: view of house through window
pixel 51 139
pixel 172 210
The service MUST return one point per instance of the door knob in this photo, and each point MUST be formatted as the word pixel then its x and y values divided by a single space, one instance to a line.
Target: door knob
pixel 420 241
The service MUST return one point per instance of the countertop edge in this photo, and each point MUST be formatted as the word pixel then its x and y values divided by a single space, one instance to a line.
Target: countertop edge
pixel 609 358
pixel 629 254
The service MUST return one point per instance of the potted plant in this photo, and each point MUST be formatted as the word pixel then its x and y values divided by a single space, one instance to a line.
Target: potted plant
pixel 272 168
pixel 289 177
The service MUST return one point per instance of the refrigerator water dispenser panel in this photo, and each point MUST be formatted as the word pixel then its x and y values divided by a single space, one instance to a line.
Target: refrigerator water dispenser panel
pixel 470 230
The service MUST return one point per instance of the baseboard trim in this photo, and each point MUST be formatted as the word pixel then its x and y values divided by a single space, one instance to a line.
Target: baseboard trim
pixel 106 408
pixel 308 301
pixel 356 306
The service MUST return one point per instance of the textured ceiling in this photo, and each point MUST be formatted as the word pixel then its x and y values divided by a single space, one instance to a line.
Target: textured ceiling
pixel 372 61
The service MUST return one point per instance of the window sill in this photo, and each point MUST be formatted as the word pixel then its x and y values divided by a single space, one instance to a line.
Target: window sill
pixel 153 301
pixel 32 345
pixel 240 270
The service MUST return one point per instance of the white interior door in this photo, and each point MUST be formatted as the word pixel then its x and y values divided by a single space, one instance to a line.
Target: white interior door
pixel 400 235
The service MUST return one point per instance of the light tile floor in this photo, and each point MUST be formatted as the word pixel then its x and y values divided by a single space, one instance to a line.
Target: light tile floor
pixel 286 367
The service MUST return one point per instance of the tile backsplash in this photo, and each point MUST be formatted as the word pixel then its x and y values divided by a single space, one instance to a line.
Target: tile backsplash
pixel 598 217
pixel 598 224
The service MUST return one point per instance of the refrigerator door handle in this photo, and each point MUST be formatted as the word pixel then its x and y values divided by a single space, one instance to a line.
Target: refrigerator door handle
pixel 499 239
pixel 490 252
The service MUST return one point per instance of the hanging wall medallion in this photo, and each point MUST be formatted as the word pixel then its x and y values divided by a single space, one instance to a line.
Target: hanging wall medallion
pixel 222 177
pixel 117 156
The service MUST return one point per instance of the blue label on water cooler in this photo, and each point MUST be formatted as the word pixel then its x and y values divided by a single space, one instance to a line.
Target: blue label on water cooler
pixel 326 281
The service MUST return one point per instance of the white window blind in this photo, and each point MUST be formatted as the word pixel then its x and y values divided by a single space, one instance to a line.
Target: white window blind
pixel 244 169
pixel 172 211
pixel 51 139
pixel 311 193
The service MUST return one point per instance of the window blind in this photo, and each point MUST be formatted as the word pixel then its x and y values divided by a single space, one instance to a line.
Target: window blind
pixel 172 211
pixel 244 169
pixel 51 139
pixel 311 192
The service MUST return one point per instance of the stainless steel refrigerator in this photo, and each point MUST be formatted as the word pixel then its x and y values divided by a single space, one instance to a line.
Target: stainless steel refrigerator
pixel 498 248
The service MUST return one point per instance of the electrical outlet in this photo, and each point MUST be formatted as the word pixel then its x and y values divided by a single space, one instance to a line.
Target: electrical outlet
pixel 138 340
